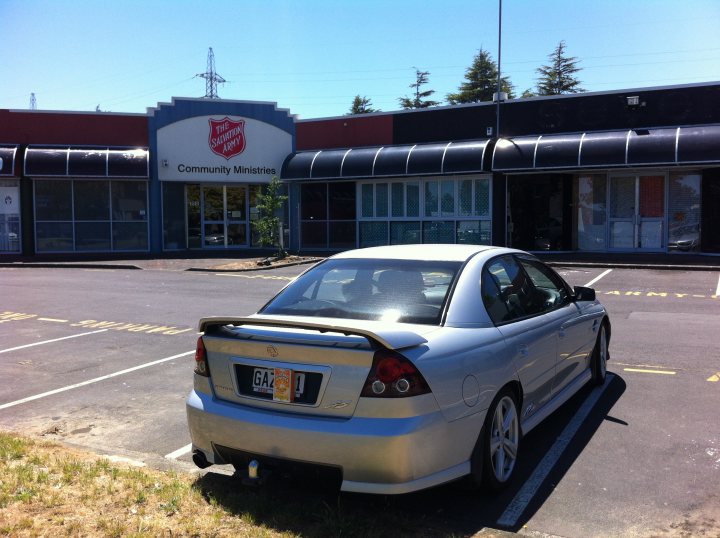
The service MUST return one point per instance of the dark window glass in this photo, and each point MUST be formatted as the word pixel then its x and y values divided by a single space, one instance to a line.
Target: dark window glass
pixel 126 207
pixel 342 201
pixel 513 295
pixel 92 236
pixel 193 217
pixel 54 236
pixel 53 200
pixel 129 199
pixel 439 232
pixel 549 290
pixel 381 200
pixel 314 234
pixel 373 234
pixel 92 200
pixel 404 233
pixel 342 234
pixel 398 199
pixel 130 236
pixel 313 201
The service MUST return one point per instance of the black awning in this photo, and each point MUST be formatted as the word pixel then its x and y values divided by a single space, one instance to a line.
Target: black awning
pixel 637 147
pixel 699 144
pixel 7 160
pixel 77 161
pixel 388 161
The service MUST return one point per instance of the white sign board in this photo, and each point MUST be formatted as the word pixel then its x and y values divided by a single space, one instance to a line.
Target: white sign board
pixel 221 149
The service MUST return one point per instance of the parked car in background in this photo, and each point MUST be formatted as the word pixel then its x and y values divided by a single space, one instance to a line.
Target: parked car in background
pixel 397 368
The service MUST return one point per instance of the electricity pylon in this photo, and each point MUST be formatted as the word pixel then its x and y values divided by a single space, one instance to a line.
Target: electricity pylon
pixel 211 77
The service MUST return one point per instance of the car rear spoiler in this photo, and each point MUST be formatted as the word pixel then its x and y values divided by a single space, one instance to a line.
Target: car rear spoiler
pixel 388 338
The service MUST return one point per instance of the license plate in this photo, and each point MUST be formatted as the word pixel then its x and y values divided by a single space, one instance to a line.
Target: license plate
pixel 284 384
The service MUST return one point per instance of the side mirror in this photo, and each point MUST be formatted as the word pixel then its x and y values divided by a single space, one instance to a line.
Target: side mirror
pixel 584 294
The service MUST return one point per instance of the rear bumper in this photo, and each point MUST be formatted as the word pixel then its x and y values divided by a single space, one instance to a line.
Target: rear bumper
pixel 375 455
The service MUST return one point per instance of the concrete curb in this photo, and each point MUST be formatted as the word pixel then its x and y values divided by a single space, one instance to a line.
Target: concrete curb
pixel 69 265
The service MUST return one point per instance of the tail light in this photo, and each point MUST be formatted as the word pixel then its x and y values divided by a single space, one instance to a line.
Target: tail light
pixel 201 362
pixel 393 376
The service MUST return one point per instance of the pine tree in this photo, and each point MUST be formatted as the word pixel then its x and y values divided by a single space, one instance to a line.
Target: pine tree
pixel 361 105
pixel 421 78
pixel 481 82
pixel 559 76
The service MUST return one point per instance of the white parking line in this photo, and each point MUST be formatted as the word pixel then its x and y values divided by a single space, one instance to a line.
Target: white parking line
pixel 597 278
pixel 50 341
pixel 517 506
pixel 179 452
pixel 717 290
pixel 95 380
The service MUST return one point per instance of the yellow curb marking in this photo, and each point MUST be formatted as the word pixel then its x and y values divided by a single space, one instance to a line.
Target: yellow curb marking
pixel 714 378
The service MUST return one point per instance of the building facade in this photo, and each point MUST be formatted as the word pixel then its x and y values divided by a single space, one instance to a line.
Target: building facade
pixel 624 171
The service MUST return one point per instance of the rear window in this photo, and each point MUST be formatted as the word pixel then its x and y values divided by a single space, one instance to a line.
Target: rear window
pixel 405 291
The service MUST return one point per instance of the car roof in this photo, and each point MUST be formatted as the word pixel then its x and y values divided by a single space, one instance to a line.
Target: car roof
pixel 427 252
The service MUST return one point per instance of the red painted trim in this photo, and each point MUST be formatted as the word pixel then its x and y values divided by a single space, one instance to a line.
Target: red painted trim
pixel 76 128
pixel 350 132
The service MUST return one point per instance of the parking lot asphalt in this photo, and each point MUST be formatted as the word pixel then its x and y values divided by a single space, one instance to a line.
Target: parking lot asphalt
pixel 660 261
pixel 641 465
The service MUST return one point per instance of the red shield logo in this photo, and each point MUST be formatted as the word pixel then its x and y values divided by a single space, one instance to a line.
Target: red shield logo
pixel 227 137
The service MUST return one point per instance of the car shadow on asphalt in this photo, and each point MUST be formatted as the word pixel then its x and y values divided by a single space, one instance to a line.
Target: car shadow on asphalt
pixel 312 506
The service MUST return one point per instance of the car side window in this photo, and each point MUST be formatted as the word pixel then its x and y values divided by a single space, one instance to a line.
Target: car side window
pixel 549 290
pixel 506 291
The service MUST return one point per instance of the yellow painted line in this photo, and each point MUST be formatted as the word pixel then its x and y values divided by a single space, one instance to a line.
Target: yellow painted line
pixel 643 371
pixel 714 378
pixel 662 294
pixel 53 320
pixel 263 277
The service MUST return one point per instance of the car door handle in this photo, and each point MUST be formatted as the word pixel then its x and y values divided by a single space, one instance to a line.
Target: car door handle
pixel 523 350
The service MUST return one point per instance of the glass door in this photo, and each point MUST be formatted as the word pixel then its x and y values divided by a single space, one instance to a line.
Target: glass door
pixel 217 216
pixel 236 215
pixel 636 212
pixel 213 216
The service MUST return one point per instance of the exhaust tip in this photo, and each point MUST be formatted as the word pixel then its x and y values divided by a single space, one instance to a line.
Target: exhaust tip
pixel 200 460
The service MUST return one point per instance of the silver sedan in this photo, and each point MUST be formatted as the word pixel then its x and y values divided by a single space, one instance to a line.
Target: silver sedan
pixel 396 368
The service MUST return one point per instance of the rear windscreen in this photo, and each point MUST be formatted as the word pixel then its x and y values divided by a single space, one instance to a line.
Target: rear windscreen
pixel 405 291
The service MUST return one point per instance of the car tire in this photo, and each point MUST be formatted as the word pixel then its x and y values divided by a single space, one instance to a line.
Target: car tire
pixel 501 441
pixel 600 356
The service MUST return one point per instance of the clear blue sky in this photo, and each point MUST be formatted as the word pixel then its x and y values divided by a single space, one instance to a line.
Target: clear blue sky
pixel 314 56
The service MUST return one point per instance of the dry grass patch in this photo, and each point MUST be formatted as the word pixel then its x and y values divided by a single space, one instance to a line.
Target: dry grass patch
pixel 50 490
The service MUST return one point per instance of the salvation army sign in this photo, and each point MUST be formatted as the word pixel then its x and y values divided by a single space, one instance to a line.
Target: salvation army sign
pixel 227 137
pixel 221 148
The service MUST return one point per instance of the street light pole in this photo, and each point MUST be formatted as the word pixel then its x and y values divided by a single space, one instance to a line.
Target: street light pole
pixel 499 76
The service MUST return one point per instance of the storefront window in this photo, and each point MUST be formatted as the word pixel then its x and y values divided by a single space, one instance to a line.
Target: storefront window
pixel 591 196
pixel 9 215
pixel 330 221
pixel 93 200
pixel 455 210
pixel 90 215
pixel 684 212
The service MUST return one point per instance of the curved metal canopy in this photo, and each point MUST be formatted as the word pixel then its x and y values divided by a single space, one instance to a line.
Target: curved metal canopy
pixel 388 161
pixel 637 147
pixel 76 161
pixel 7 160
